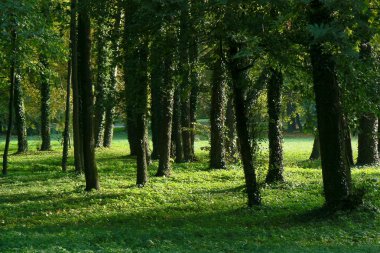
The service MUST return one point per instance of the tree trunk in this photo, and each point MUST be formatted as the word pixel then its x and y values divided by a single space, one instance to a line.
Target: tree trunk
pixel 77 124
pixel 239 83
pixel 348 144
pixel 217 118
pixel 368 140
pixel 194 82
pixel 276 167
pixel 45 107
pixel 100 88
pixel 315 153
pixel 184 72
pixel 85 84
pixel 164 167
pixel 140 104
pixel 177 137
pixel 20 120
pixel 231 129
pixel 156 83
pixel 66 132
pixel 331 122
pixel 10 104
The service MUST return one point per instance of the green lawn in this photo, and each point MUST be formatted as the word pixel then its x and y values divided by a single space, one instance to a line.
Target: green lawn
pixel 196 210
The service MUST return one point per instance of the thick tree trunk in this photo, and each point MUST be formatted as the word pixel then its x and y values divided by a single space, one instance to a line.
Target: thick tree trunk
pixel 164 167
pixel 77 124
pixel 368 140
pixel 276 167
pixel 217 117
pixel 45 107
pixel 85 84
pixel 315 153
pixel 12 80
pixel 239 82
pixel 20 121
pixel 331 122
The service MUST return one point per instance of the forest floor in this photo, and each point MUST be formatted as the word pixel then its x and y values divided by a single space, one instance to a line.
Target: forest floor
pixel 196 210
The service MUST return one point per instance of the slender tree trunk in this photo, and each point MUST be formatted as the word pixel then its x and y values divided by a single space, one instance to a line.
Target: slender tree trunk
pixel 184 71
pixel 368 140
pixel 111 97
pixel 217 117
pixel 20 117
pixel 239 81
pixel 45 107
pixel 100 88
pixel 194 82
pixel 66 132
pixel 315 153
pixel 331 122
pixel 177 138
pixel 231 129
pixel 276 167
pixel 140 105
pixel 164 167
pixel 348 143
pixel 85 84
pixel 77 124
pixel 10 104
pixel 156 84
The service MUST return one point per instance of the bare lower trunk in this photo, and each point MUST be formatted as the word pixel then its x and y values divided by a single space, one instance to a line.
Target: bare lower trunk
pixel 368 140
pixel 45 107
pixel 87 114
pixel 239 81
pixel 217 118
pixel 276 167
pixel 20 117
pixel 331 122
pixel 315 153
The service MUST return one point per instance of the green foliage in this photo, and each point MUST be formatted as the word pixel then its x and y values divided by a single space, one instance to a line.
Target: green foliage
pixel 197 210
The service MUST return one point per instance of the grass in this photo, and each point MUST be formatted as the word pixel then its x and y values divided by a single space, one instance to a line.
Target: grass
pixel 196 210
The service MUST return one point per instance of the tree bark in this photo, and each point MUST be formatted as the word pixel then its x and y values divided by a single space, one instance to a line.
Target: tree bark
pixel 156 83
pixel 176 136
pixel 66 132
pixel 331 122
pixel 217 117
pixel 239 84
pixel 100 87
pixel 45 106
pixel 231 129
pixel 315 153
pixel 12 80
pixel 77 101
pixel 164 167
pixel 276 167
pixel 87 95
pixel 20 120
pixel 368 140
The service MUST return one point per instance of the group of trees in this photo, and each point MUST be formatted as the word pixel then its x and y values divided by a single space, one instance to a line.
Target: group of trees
pixel 153 60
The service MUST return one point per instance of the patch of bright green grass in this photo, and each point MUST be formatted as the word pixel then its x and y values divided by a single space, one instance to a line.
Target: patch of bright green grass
pixel 196 210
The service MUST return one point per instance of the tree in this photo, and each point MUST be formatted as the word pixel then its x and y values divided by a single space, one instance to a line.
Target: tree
pixel 87 96
pixel 45 105
pixel 276 167
pixel 331 122
pixel 217 114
